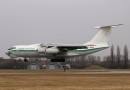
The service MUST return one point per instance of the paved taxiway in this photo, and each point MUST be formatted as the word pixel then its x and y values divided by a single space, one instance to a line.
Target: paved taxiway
pixel 83 72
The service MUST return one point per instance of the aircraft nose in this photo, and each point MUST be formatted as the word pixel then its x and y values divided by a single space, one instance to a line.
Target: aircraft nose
pixel 7 53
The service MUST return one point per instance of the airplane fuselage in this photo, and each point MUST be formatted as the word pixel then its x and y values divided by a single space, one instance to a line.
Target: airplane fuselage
pixel 37 51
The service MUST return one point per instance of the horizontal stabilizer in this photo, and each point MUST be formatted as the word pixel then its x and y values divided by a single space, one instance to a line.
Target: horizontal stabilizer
pixel 110 26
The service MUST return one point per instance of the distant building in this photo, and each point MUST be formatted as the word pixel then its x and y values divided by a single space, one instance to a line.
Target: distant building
pixel 52 65
pixel 34 66
pixel 55 65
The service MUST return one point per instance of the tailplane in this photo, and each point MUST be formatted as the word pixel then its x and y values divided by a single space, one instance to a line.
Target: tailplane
pixel 102 36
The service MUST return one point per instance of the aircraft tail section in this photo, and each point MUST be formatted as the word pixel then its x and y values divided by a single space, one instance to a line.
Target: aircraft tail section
pixel 103 34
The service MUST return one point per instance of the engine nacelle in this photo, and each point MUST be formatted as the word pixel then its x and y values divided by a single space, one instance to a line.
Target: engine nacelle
pixel 48 50
pixel 41 50
pixel 52 50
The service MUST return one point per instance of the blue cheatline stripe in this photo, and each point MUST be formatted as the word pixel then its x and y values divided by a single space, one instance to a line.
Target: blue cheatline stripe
pixel 22 50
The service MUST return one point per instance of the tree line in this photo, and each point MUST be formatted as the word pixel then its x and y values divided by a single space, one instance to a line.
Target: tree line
pixel 117 61
pixel 20 64
pixel 112 61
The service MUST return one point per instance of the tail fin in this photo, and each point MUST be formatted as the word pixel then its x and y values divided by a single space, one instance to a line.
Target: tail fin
pixel 102 36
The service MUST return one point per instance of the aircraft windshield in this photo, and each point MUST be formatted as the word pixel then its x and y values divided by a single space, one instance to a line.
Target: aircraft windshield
pixel 12 48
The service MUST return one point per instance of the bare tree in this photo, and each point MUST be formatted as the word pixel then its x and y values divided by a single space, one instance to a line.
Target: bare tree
pixel 118 57
pixel 125 57
pixel 112 56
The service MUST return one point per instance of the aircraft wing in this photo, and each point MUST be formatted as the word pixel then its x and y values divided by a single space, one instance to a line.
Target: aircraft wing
pixel 65 47
pixel 70 47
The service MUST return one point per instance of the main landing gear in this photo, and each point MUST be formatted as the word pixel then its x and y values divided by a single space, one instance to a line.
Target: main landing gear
pixel 25 60
pixel 57 60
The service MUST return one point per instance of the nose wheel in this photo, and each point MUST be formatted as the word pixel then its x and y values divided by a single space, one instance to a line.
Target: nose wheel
pixel 25 60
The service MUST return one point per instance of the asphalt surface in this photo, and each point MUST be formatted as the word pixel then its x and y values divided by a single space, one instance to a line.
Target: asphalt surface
pixel 82 72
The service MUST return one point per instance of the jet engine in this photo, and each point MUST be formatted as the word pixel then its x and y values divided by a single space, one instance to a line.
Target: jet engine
pixel 41 50
pixel 52 50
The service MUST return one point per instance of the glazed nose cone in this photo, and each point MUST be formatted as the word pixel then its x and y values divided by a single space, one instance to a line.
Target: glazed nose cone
pixel 7 53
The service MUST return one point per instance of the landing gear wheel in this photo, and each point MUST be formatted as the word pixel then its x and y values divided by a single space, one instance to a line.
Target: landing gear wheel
pixel 25 60
pixel 57 60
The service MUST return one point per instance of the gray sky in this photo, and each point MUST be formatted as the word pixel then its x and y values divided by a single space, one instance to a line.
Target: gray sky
pixel 61 21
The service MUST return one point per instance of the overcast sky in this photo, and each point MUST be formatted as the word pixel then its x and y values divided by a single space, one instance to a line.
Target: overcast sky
pixel 61 21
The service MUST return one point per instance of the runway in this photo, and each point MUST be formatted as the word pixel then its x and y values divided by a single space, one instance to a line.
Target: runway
pixel 71 79
pixel 60 72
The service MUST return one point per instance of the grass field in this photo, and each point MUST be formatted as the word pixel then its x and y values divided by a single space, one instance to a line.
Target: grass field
pixel 63 81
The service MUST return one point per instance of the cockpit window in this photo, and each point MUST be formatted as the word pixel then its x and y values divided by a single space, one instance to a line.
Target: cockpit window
pixel 12 48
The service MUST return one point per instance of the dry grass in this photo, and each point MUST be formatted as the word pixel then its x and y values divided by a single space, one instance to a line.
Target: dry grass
pixel 65 82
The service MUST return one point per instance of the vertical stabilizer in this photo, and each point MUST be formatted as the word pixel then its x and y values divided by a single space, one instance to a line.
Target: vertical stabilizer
pixel 102 36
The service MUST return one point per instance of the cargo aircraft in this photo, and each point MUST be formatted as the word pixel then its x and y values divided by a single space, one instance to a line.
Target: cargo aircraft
pixel 60 52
